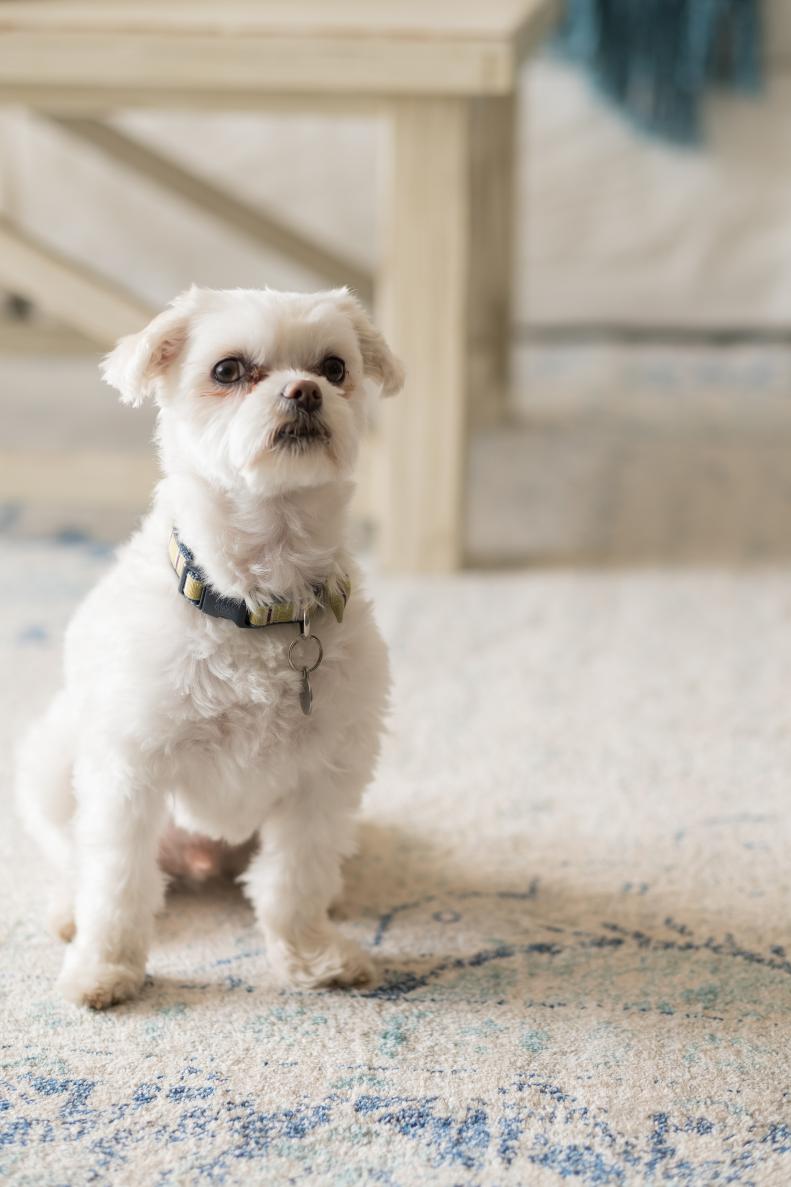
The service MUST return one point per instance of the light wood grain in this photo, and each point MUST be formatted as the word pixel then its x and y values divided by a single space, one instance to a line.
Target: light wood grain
pixel 86 100
pixel 423 307
pixel 255 224
pixel 269 63
pixel 491 256
pixel 67 291
pixel 315 18
pixel 30 338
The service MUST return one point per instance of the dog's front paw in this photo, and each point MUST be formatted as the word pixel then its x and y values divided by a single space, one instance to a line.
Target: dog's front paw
pixel 325 957
pixel 97 984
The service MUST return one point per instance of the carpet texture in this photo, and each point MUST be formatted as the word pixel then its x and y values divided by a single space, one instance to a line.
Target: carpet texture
pixel 574 876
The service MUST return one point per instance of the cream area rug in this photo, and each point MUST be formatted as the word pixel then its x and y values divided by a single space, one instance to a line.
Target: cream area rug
pixel 573 876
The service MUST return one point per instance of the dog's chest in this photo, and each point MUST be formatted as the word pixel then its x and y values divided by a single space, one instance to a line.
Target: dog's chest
pixel 242 735
pixel 239 695
pixel 228 682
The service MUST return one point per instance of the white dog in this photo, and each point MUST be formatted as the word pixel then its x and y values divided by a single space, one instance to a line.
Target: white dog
pixel 190 668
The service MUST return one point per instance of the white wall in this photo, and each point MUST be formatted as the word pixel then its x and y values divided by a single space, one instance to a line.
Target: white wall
pixel 619 227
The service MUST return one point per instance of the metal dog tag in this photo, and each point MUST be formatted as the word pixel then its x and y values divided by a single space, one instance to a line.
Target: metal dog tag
pixel 303 649
pixel 306 693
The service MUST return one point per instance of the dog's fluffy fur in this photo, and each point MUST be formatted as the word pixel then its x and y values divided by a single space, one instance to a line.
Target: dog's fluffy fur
pixel 171 720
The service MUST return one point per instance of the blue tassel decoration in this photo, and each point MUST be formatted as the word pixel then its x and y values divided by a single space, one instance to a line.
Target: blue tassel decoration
pixel 656 58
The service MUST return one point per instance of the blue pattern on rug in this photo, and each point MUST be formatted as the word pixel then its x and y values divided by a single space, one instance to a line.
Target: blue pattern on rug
pixel 533 1022
pixel 523 1122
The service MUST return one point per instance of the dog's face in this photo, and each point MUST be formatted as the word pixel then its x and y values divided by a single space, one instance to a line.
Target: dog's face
pixel 257 389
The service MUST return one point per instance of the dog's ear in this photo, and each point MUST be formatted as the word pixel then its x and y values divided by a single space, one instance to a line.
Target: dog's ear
pixel 379 362
pixel 139 361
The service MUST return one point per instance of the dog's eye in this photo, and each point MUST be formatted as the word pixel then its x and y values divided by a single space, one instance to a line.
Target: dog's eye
pixel 334 369
pixel 229 370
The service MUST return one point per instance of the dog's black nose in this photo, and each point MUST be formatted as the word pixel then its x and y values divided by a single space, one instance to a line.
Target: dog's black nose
pixel 305 393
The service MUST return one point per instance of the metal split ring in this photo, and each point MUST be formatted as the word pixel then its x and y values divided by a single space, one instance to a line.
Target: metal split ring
pixel 302 640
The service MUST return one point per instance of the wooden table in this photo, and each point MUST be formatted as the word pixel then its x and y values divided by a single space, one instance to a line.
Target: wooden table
pixel 440 75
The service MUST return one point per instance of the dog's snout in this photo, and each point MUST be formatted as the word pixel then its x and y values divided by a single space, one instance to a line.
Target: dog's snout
pixel 305 393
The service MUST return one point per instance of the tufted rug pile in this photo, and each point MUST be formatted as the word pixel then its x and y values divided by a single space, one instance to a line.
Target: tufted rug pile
pixel 573 874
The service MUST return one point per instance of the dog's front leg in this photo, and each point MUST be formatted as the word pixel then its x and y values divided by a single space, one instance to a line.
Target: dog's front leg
pixel 119 885
pixel 293 880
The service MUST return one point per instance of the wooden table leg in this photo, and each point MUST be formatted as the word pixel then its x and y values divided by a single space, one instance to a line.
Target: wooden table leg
pixel 423 308
pixel 492 198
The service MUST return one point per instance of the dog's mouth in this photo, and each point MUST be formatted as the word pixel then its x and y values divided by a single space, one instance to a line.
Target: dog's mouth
pixel 301 433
